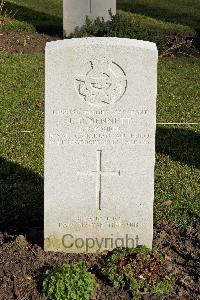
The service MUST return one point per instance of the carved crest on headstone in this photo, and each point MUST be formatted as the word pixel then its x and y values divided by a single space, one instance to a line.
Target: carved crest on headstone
pixel 103 84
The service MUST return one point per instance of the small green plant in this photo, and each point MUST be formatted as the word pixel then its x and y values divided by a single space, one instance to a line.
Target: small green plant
pixel 140 271
pixel 69 282
pixel 133 26
pixel 123 25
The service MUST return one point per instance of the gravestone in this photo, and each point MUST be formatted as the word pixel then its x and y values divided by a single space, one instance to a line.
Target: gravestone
pixel 99 144
pixel 75 12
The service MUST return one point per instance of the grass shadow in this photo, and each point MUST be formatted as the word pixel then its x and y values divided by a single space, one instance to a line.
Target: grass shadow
pixel 43 22
pixel 180 144
pixel 21 200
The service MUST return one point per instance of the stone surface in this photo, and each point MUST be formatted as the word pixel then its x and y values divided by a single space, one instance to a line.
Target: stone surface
pixel 99 143
pixel 75 12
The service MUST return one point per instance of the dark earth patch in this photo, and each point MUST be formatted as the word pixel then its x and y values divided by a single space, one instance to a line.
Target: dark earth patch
pixel 182 45
pixel 23 264
pixel 18 41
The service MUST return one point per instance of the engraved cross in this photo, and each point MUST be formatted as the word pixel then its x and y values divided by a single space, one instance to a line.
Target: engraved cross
pixel 99 173
pixel 90 6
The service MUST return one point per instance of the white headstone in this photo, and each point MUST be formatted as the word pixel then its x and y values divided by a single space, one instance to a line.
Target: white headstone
pixel 75 12
pixel 99 144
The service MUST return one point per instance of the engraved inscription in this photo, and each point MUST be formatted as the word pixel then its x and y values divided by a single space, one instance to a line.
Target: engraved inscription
pixel 99 127
pixel 103 84
pixel 100 138
pixel 98 173
pixel 99 221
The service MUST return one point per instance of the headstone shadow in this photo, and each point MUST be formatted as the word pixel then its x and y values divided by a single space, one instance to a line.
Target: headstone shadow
pixel 180 144
pixel 21 200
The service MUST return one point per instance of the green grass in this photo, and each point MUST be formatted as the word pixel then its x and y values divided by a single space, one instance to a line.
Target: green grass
pixel 13 24
pixel 180 16
pixel 22 109
pixel 178 90
pixel 165 26
pixel 177 174
pixel 21 153
pixel 180 12
pixel 44 16
pixel 21 104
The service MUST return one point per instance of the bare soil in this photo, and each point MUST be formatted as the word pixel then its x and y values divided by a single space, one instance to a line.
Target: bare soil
pixel 182 45
pixel 24 263
pixel 19 41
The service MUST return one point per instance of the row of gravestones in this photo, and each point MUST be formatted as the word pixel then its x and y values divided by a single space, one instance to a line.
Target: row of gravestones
pixel 100 122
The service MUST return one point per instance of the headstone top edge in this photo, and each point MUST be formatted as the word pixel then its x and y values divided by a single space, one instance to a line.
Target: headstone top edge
pixel 108 41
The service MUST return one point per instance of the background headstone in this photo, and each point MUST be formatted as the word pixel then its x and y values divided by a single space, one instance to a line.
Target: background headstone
pixel 75 12
pixel 99 143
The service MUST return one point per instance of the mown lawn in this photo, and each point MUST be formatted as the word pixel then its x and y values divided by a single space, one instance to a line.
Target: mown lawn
pixel 36 15
pixel 181 12
pixel 177 189
pixel 180 16
pixel 21 135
